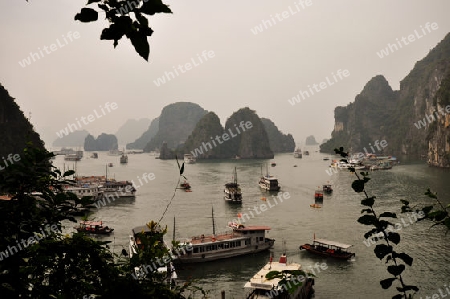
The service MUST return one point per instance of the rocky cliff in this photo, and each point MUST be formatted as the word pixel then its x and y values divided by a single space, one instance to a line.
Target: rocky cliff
pixel 145 138
pixel 132 129
pixel 279 142
pixel 311 140
pixel 176 122
pixel 104 142
pixel 15 128
pixel 412 120
pixel 248 135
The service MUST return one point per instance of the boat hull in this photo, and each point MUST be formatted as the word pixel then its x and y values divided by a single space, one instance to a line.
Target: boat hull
pixel 341 256
pixel 217 255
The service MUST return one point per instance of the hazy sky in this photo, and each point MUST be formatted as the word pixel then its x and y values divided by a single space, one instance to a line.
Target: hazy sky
pixel 300 44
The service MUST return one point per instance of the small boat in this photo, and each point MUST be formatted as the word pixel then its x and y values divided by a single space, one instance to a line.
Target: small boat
pixel 261 287
pixel 295 165
pixel 273 164
pixel 326 159
pixel 327 189
pixel 94 155
pixel 298 153
pixel 93 227
pixel 315 205
pixel 114 152
pixel 306 153
pixel 189 159
pixel 110 164
pixel 185 185
pixel 124 159
pixel 232 190
pixel 318 194
pixel 328 248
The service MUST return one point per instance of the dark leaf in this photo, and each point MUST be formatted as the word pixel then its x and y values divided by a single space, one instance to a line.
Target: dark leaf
pixel 367 220
pixel 388 214
pixel 368 201
pixel 367 211
pixel 438 215
pixel 370 233
pixel 386 283
pixel 358 186
pixel 403 256
pixel 93 1
pixel 87 15
pixel 398 296
pixel 394 238
pixel 178 163
pixel 151 7
pixel 381 250
pixel 447 223
pixel 427 209
pixel 396 270
pixel 182 169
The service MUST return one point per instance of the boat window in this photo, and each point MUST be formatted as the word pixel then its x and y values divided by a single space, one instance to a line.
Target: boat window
pixel 261 238
pixel 226 245
pixel 195 250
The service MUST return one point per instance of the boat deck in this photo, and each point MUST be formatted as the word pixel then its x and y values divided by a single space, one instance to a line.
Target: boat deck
pixel 260 281
pixel 209 239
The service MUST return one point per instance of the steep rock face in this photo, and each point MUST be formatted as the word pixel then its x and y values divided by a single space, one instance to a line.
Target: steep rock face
pixel 439 132
pixel 73 139
pixel 104 142
pixel 200 143
pixel 15 129
pixel 250 142
pixel 366 120
pixel 145 138
pixel 279 142
pixel 132 129
pixel 176 122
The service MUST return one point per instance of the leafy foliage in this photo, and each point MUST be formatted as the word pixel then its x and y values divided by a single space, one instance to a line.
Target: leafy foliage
pixel 119 14
pixel 383 251
pixel 48 264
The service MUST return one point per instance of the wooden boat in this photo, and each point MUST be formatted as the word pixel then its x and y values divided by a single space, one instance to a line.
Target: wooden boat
pixel 239 241
pixel 262 287
pixel 327 189
pixel 328 248
pixel 232 190
pixel 315 205
pixel 93 227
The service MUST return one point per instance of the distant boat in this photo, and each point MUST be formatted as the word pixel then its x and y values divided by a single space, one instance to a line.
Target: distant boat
pixel 185 185
pixel 232 190
pixel 114 152
pixel 273 164
pixel 306 153
pixel 189 159
pixel 269 182
pixel 94 227
pixel 298 153
pixel 318 194
pixel 94 155
pixel 110 164
pixel 326 159
pixel 327 189
pixel 124 159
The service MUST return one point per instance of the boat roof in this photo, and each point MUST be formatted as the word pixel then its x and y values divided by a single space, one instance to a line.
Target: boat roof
pixel 332 243
pixel 259 280
pixel 252 227
pixel 270 177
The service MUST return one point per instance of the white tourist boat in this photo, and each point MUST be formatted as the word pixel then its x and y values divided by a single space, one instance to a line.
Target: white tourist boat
pixel 298 153
pixel 82 190
pixel 239 241
pixel 135 245
pixel 261 287
pixel 269 182
pixel 117 189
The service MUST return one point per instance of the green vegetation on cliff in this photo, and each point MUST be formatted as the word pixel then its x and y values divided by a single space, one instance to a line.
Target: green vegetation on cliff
pixel 279 142
pixel 176 122
pixel 145 138
pixel 15 128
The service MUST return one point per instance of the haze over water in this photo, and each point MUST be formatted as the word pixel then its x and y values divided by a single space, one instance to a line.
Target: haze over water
pixel 293 222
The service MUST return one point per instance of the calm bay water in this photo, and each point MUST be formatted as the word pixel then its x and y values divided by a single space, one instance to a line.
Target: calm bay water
pixel 293 222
